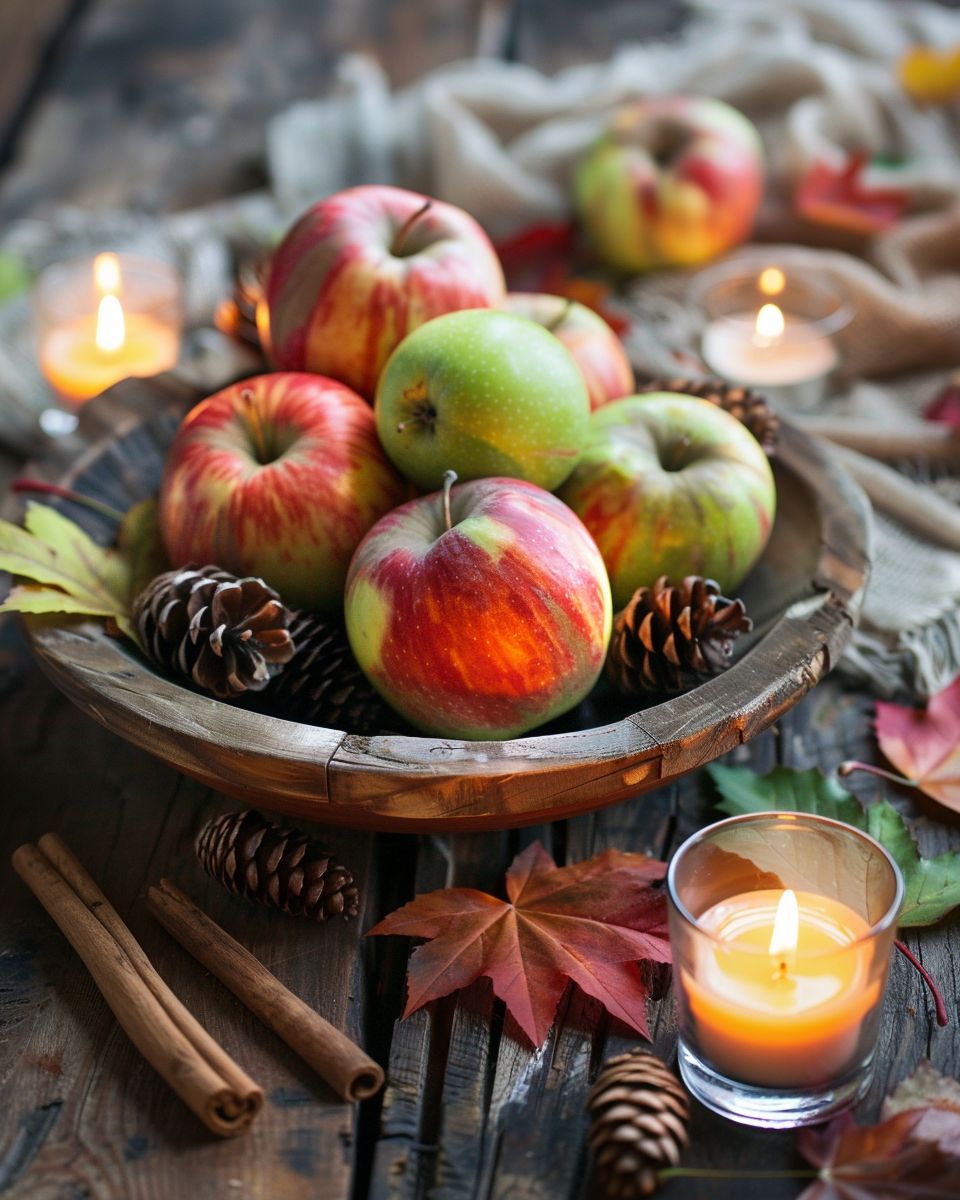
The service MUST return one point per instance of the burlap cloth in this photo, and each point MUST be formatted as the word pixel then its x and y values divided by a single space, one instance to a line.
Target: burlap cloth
pixel 501 139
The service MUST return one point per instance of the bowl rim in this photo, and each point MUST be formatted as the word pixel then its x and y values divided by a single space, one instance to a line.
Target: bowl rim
pixel 417 783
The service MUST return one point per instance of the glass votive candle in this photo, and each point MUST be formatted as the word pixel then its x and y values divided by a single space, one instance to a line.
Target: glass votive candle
pixel 771 325
pixel 103 319
pixel 782 926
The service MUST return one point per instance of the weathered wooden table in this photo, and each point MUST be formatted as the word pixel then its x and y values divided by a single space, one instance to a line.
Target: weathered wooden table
pixel 161 106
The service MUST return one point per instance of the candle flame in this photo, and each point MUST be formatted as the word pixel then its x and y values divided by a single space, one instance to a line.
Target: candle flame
pixel 786 926
pixel 106 274
pixel 111 327
pixel 770 322
pixel 772 281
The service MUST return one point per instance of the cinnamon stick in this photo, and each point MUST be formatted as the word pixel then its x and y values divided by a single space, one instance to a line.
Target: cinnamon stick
pixel 207 1080
pixel 338 1060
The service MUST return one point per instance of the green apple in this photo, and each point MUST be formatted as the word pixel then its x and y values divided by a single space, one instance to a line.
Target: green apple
pixel 482 393
pixel 672 485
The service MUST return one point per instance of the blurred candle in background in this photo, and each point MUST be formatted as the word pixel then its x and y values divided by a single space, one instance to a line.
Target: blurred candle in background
pixel 104 320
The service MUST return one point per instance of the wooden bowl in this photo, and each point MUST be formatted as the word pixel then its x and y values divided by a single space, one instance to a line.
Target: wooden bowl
pixel 804 596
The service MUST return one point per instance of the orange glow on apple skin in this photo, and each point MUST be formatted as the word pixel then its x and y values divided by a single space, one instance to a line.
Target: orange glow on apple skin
pixel 776 1006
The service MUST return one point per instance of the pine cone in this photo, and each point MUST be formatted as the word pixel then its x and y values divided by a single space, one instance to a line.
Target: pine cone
pixel 322 684
pixel 639 1112
pixel 668 635
pixel 228 635
pixel 236 316
pixel 749 407
pixel 279 867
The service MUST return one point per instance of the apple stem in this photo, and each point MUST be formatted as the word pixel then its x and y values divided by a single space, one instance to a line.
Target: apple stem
pixel 64 493
pixel 942 1018
pixel 851 765
pixel 554 324
pixel 255 425
pixel 449 479
pixel 397 248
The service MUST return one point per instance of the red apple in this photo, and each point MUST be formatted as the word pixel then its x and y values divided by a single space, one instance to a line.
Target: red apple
pixel 673 181
pixel 278 476
pixel 363 268
pixel 482 621
pixel 672 485
pixel 596 349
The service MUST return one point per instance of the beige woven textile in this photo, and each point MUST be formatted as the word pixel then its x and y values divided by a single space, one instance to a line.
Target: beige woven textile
pixel 818 77
pixel 501 139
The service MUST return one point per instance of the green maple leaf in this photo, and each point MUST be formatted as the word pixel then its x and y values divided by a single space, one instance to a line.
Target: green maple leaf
pixel 931 885
pixel 67 570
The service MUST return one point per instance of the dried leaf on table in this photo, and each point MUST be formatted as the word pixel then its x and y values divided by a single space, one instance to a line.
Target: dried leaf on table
pixel 925 1087
pixel 838 197
pixel 74 573
pixel 913 1152
pixel 931 885
pixel 945 406
pixel 551 258
pixel 590 922
pixel 924 743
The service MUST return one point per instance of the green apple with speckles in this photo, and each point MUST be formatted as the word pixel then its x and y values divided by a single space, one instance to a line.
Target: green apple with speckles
pixel 672 485
pixel 482 393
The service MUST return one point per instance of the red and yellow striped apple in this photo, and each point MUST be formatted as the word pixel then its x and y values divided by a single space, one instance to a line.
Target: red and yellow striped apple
pixel 673 181
pixel 278 476
pixel 481 617
pixel 596 349
pixel 361 269
pixel 672 485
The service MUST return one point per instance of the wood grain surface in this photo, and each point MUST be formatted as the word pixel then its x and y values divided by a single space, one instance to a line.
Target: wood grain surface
pixel 470 1110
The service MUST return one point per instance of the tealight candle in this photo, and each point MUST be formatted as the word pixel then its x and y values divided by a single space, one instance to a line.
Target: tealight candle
pixel 770 328
pixel 104 320
pixel 782 926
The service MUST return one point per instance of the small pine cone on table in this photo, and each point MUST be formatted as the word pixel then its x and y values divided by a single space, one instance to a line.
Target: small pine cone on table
pixel 322 683
pixel 276 866
pixel 228 635
pixel 669 636
pixel 638 1124
pixel 749 407
pixel 237 315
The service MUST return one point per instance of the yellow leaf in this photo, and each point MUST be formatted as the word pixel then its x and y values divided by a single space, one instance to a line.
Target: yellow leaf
pixel 94 568
pixel 30 598
pixel 53 551
pixel 930 76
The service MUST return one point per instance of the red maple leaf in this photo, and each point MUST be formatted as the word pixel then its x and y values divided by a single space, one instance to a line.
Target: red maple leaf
pixel 924 743
pixel 945 406
pixel 837 196
pixel 913 1152
pixel 590 922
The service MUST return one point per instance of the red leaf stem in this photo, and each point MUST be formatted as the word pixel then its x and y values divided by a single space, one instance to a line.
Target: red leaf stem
pixel 43 488
pixel 851 765
pixel 942 1018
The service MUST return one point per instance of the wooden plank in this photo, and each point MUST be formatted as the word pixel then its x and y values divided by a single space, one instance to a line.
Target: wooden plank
pixel 164 106
pixel 88 1113
pixel 404 1151
pixel 29 31
pixel 550 36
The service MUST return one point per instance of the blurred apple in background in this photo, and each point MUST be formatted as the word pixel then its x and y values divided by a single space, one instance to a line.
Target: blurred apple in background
pixel 278 476
pixel 674 181
pixel 482 621
pixel 364 267
pixel 672 485
pixel 482 393
pixel 596 349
